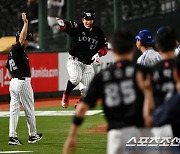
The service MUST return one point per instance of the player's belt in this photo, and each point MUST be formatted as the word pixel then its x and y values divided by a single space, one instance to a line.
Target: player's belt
pixel 82 61
pixel 23 78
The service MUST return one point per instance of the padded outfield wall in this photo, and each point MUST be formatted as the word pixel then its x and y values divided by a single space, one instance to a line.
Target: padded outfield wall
pixel 48 71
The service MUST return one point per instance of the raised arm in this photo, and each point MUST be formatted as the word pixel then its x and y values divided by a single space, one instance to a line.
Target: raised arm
pixel 23 33
pixel 67 26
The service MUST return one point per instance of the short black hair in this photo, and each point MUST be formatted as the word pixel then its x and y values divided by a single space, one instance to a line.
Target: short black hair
pixel 146 45
pixel 166 39
pixel 122 41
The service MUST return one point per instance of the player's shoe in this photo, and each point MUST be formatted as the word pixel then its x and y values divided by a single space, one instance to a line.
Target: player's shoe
pixel 65 101
pixel 14 141
pixel 34 139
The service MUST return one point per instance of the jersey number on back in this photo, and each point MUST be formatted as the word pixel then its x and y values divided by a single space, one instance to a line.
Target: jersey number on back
pixel 12 65
pixel 168 88
pixel 117 94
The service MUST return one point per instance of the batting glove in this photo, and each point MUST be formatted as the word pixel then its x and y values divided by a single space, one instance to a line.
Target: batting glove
pixel 96 59
pixel 60 22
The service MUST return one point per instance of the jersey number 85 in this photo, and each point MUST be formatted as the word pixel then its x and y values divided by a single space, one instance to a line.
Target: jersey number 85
pixel 115 94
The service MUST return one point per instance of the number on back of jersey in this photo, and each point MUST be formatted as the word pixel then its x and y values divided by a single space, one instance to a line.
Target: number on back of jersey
pixel 115 94
pixel 12 65
pixel 168 88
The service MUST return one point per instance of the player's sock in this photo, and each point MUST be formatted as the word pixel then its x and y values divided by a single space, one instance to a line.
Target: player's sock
pixel 69 87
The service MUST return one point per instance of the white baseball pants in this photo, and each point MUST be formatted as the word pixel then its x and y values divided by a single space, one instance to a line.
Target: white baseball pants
pixel 21 94
pixel 80 73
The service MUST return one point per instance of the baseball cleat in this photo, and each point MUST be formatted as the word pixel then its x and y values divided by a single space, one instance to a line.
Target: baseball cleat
pixel 65 101
pixel 14 141
pixel 34 139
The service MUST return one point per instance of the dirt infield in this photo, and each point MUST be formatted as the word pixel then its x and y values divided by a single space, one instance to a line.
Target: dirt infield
pixel 101 129
pixel 40 103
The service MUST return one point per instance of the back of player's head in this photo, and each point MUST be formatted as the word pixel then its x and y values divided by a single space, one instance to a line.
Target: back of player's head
pixel 161 28
pixel 146 38
pixel 166 39
pixel 122 42
pixel 89 15
pixel 29 36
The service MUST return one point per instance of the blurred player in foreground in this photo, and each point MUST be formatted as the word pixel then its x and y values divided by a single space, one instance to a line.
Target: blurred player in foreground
pixel 88 44
pixel 164 83
pixel 20 86
pixel 145 42
pixel 121 95
pixel 177 50
pixel 168 112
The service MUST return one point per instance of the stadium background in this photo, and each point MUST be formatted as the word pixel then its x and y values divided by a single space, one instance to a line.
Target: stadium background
pixel 110 14
pixel 48 65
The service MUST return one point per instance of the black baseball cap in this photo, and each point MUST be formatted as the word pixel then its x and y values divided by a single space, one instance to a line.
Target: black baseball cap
pixel 29 36
pixel 88 15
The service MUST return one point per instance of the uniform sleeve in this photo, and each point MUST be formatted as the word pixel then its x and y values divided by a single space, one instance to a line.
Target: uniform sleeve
pixel 70 28
pixel 103 44
pixel 150 61
pixel 144 69
pixel 139 60
pixel 94 91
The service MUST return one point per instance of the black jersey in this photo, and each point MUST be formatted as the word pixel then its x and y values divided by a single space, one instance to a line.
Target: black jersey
pixel 121 97
pixel 84 44
pixel 163 82
pixel 18 62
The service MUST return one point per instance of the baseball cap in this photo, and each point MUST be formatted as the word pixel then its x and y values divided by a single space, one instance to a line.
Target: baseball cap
pixel 88 15
pixel 161 29
pixel 145 37
pixel 29 36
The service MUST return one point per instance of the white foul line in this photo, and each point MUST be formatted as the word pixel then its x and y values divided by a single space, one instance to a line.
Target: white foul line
pixel 14 151
pixel 51 113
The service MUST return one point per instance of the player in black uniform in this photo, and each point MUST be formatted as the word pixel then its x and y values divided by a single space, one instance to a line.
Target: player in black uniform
pixel 20 86
pixel 88 44
pixel 169 111
pixel 163 81
pixel 164 86
pixel 121 96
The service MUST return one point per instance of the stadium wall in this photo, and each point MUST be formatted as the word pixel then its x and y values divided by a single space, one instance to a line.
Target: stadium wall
pixel 49 74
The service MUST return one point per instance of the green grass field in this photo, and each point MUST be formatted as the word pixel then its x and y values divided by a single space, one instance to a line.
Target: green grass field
pixel 55 130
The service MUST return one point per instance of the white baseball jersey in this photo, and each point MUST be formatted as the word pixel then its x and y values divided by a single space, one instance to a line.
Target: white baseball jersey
pixel 149 58
pixel 177 50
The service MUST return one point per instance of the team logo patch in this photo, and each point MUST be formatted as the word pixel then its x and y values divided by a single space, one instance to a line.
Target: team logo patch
pixel 88 14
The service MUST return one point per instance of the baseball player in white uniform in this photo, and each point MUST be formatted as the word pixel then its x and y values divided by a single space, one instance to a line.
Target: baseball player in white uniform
pixel 88 44
pixel 145 42
pixel 20 86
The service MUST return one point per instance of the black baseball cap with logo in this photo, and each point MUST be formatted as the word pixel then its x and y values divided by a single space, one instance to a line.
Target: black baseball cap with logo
pixel 29 36
pixel 88 15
